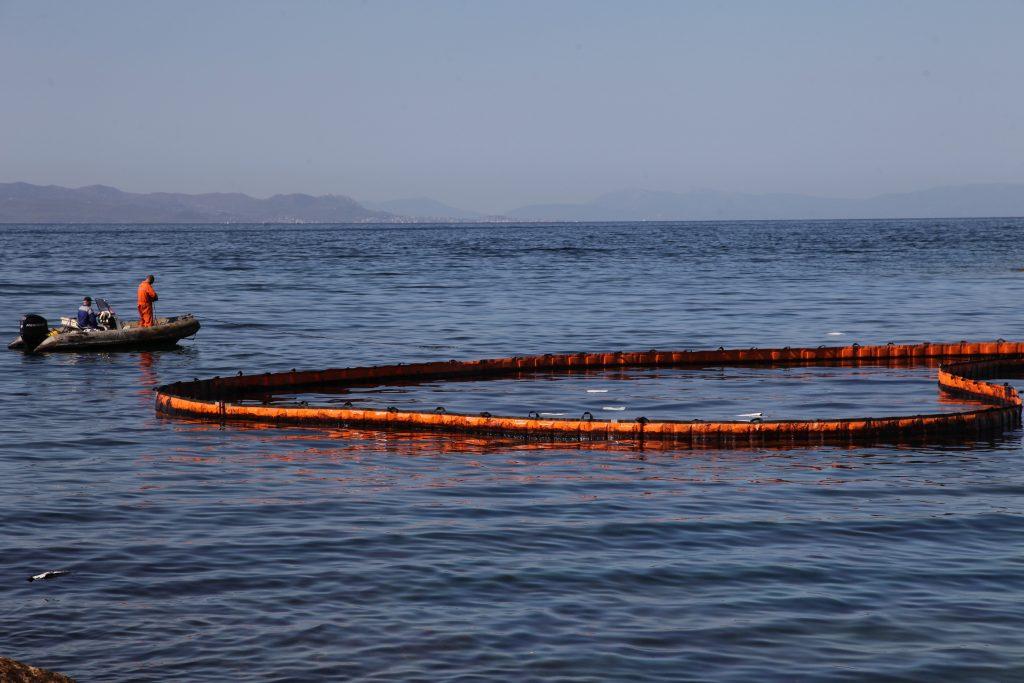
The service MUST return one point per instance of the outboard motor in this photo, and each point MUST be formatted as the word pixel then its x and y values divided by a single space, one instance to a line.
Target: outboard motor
pixel 34 330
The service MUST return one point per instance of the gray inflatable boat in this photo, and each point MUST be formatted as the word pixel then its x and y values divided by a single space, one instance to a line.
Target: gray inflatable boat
pixel 164 332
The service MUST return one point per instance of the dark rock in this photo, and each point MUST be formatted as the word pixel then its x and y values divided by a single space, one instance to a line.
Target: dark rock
pixel 16 672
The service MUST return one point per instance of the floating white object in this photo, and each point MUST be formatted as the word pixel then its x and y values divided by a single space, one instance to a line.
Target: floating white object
pixel 613 407
pixel 597 391
pixel 49 575
pixel 835 334
pixel 750 415
pixel 553 414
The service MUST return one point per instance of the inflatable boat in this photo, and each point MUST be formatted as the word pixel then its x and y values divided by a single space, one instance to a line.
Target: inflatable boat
pixel 123 335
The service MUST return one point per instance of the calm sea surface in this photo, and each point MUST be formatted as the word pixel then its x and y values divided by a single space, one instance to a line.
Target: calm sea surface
pixel 206 554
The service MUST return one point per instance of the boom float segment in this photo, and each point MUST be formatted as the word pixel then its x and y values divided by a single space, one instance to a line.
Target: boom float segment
pixel 971 364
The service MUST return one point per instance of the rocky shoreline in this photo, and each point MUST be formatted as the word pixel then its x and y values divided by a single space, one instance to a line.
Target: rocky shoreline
pixel 16 672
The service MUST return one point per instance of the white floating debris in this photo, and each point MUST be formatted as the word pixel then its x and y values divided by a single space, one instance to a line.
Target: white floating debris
pixel 836 334
pixel 613 407
pixel 49 575
pixel 553 414
pixel 597 391
pixel 750 415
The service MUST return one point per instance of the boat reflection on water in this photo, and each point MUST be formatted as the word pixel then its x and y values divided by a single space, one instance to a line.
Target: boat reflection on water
pixel 149 364
pixel 147 375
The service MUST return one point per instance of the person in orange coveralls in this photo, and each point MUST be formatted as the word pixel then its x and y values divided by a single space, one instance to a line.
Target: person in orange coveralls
pixel 147 295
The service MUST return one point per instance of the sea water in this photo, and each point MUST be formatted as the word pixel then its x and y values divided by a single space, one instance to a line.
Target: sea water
pixel 204 553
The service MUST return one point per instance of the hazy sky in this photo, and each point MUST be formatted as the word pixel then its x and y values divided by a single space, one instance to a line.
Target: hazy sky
pixel 490 105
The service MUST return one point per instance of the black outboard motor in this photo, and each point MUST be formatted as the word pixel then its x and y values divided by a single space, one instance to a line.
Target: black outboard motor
pixel 33 331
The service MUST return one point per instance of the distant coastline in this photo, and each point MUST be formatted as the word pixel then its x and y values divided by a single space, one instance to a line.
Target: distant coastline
pixel 26 203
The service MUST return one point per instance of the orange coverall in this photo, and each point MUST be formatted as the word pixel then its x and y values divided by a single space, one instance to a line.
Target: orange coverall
pixel 146 298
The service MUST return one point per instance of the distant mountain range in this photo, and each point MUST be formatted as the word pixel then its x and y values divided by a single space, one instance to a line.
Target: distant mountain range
pixel 25 203
pixel 425 208
pixel 961 201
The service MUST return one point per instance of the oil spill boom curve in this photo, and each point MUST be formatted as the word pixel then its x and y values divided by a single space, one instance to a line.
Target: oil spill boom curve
pixel 964 369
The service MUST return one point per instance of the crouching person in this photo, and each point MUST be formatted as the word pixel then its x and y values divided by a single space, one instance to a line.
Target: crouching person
pixel 86 316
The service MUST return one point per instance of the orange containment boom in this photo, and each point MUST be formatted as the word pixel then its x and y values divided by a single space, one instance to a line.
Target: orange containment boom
pixel 970 364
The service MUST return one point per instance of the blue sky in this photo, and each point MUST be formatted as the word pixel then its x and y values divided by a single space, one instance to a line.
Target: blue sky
pixel 490 105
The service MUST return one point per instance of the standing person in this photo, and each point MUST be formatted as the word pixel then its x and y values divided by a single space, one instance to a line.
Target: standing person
pixel 147 295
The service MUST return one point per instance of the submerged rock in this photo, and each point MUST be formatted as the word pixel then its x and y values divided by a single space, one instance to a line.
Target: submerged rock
pixel 16 672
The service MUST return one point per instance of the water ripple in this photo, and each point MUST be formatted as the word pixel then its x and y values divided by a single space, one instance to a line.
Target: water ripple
pixel 207 554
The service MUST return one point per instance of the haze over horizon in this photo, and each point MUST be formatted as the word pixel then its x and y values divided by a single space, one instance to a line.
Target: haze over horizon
pixel 489 106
